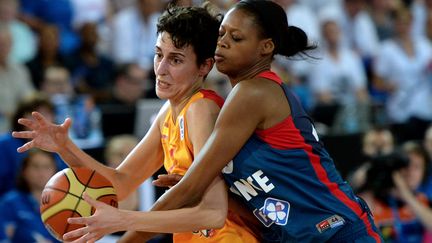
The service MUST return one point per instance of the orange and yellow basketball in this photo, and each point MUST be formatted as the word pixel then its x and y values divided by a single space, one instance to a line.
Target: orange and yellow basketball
pixel 62 198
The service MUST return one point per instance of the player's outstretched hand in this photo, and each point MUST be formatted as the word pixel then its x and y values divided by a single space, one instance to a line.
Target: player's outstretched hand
pixel 104 221
pixel 42 133
pixel 167 180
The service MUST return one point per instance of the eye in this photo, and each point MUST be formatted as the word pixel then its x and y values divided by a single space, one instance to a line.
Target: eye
pixel 176 60
pixel 158 55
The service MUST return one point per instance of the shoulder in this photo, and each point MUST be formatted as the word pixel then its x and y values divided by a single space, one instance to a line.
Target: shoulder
pixel 206 106
pixel 253 91
pixel 160 117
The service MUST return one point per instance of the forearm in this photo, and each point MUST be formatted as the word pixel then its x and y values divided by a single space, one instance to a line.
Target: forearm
pixel 422 211
pixel 76 157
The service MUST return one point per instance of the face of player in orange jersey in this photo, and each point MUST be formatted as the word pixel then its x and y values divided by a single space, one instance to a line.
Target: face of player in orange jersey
pixel 238 44
pixel 177 72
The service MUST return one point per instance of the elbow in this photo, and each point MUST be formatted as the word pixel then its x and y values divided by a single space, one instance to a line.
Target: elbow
pixel 220 220
pixel 215 218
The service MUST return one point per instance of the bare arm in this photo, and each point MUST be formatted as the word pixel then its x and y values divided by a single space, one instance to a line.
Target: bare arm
pixel 140 164
pixel 422 211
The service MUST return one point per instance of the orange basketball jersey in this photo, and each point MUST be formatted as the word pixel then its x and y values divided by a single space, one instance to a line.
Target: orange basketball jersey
pixel 178 157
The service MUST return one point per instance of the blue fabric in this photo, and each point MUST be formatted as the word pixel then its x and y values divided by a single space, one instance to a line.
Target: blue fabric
pixel 59 13
pixel 10 161
pixel 21 211
pixel 282 187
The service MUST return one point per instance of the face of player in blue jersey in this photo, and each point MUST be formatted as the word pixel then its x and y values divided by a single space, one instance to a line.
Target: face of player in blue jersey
pixel 240 45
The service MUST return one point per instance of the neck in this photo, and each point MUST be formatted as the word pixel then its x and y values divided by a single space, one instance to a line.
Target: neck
pixel 251 72
pixel 178 105
pixel 36 194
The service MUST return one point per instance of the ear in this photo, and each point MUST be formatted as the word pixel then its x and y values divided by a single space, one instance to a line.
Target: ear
pixel 206 66
pixel 267 47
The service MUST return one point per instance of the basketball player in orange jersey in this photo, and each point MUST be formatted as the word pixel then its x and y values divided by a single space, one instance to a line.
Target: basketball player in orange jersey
pixel 184 52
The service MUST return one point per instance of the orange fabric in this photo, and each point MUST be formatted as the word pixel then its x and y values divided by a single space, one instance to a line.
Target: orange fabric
pixel 178 157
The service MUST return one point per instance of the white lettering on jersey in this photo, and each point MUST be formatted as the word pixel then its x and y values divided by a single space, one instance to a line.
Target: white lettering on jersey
pixel 228 169
pixel 248 189
pixel 262 181
pixel 315 134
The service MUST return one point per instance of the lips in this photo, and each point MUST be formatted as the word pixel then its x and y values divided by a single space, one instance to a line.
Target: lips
pixel 218 57
pixel 162 84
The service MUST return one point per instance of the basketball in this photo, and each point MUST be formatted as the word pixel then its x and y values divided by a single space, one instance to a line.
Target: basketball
pixel 62 198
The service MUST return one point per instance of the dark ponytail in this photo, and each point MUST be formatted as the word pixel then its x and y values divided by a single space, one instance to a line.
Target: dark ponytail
pixel 294 41
pixel 272 22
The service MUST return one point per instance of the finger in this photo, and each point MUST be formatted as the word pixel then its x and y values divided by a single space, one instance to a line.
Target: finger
pixel 23 134
pixel 28 123
pixel 94 203
pixel 76 233
pixel 159 183
pixel 39 117
pixel 25 147
pixel 79 220
pixel 67 123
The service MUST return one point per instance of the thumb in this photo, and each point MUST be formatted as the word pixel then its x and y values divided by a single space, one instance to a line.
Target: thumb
pixel 67 123
pixel 93 202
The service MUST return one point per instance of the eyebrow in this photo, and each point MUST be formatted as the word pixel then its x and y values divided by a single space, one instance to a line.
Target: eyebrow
pixel 172 53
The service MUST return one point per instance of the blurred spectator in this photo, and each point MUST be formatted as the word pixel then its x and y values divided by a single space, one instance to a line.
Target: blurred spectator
pixel 19 209
pixel 14 81
pixel 38 13
pixel 91 72
pixel 376 141
pixel 358 30
pixel 339 85
pixel 134 35
pixel 23 39
pixel 422 11
pixel 396 219
pixel 10 159
pixel 420 163
pixel 47 54
pixel 381 12
pixel 428 141
pixel 402 68
pixel 119 111
pixel 86 129
pixel 98 12
pixel 89 11
pixel 302 16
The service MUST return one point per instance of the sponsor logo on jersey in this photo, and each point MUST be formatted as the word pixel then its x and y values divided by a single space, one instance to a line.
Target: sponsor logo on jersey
pixel 206 233
pixel 266 221
pixel 330 223
pixel 181 126
pixel 277 210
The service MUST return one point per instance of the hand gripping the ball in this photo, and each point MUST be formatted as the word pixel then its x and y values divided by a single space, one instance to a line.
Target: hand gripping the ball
pixel 104 221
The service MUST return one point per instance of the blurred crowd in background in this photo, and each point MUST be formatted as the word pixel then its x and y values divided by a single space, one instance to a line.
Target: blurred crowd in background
pixel 367 86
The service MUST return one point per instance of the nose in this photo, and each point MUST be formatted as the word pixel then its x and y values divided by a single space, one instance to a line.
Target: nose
pixel 222 42
pixel 161 66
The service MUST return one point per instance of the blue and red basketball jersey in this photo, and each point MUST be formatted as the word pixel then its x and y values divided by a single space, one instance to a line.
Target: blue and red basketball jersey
pixel 289 181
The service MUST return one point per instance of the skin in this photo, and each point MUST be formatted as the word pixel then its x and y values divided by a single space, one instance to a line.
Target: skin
pixel 241 54
pixel 178 77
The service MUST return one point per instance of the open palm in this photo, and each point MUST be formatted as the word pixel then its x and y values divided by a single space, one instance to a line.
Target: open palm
pixel 43 134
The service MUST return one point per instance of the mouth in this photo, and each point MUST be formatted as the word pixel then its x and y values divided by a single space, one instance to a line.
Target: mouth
pixel 162 84
pixel 218 57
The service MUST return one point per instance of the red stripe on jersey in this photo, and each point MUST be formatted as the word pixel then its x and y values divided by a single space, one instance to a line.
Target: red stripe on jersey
pixel 270 75
pixel 210 94
pixel 285 135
